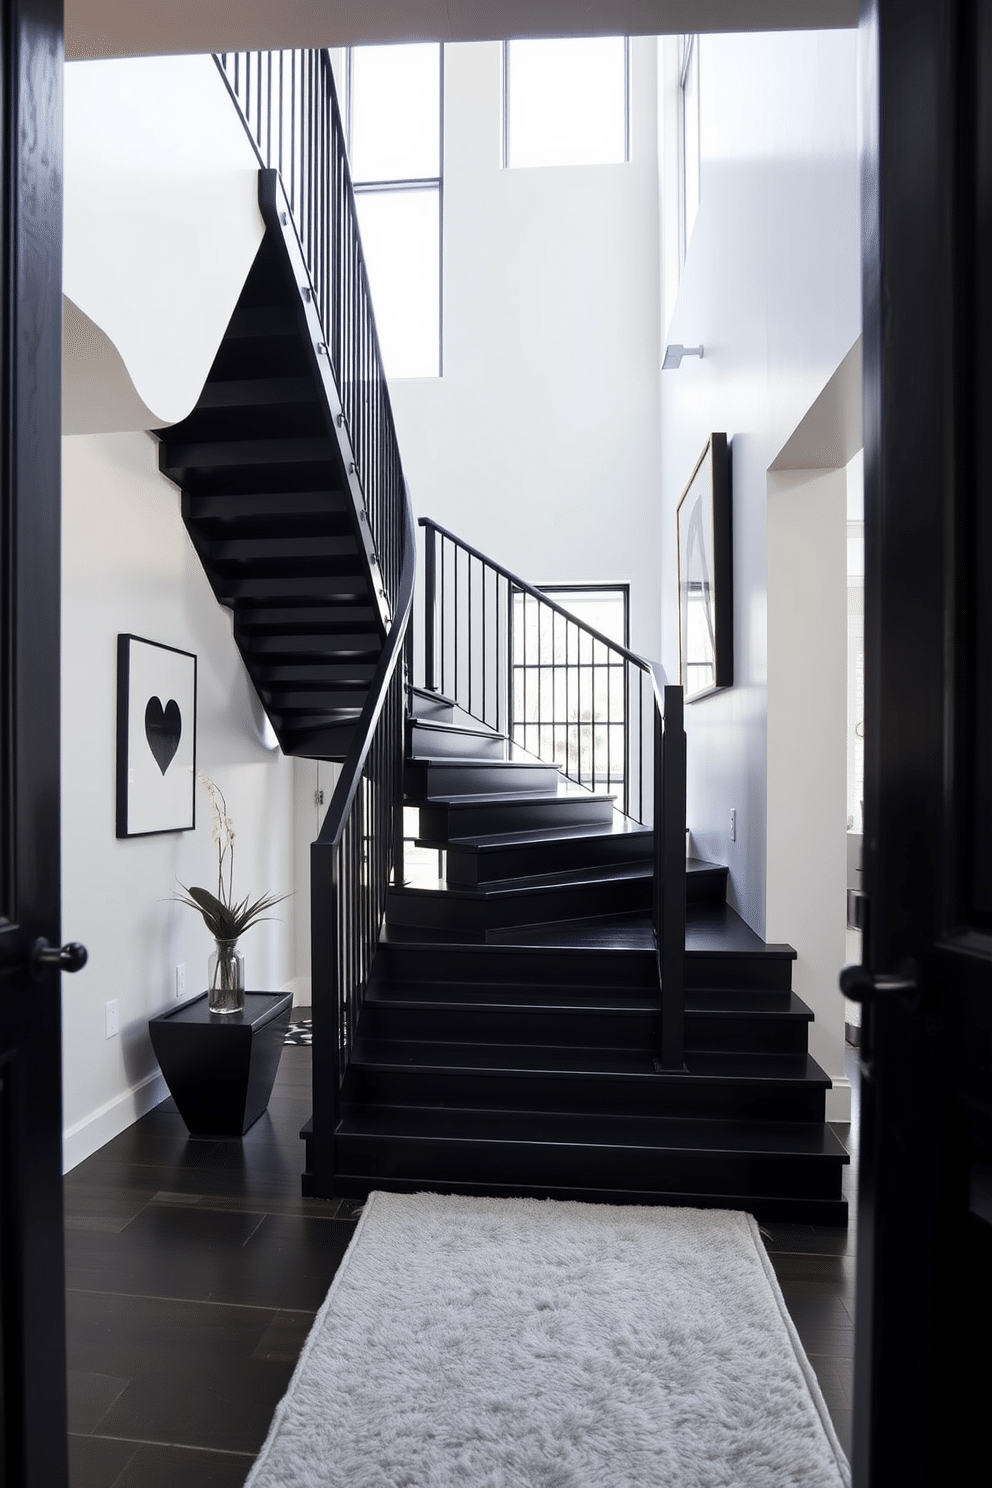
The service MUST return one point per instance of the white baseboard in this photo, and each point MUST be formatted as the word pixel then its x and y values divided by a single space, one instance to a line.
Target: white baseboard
pixel 109 1120
pixel 839 1100
pixel 300 988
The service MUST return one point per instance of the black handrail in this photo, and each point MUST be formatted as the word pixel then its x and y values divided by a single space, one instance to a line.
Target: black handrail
pixel 479 646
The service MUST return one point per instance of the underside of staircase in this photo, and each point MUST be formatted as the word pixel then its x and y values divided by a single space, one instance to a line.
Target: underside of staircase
pixel 271 505
pixel 507 1041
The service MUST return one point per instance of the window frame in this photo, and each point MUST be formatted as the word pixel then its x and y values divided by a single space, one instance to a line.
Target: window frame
pixel 688 53
pixel 385 187
pixel 505 99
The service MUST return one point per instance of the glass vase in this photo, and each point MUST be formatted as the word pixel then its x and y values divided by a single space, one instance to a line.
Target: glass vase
pixel 226 978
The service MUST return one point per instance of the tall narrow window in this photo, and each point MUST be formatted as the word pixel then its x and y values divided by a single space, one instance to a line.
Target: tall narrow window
pixel 395 147
pixel 566 102
pixel 688 140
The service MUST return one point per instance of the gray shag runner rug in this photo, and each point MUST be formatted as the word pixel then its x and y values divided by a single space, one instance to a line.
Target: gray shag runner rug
pixel 525 1343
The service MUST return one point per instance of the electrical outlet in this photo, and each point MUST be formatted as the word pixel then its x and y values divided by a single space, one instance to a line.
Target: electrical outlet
pixel 733 824
pixel 112 1025
pixel 180 981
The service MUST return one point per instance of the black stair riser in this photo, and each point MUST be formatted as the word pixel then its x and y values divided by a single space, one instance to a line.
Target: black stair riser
pixel 542 904
pixel 706 888
pixel 423 779
pixel 470 867
pixel 317 673
pixel 608 1028
pixel 292 620
pixel 541 1090
pixel 580 1027
pixel 229 454
pixel 756 971
pixel 440 822
pixel 257 392
pixel 270 550
pixel 232 511
pixel 743 1175
pixel 252 321
pixel 766 1211
pixel 452 743
pixel 492 965
pixel 321 647
pixel 286 701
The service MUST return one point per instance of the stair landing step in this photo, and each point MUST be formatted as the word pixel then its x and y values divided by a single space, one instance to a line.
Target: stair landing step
pixel 765 1209
pixel 537 1128
pixel 606 1064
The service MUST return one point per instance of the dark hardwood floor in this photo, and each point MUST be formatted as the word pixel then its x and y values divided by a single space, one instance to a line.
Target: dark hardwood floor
pixel 194 1270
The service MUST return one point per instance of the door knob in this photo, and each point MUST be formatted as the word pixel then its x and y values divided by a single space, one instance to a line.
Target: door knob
pixel 861 985
pixel 70 957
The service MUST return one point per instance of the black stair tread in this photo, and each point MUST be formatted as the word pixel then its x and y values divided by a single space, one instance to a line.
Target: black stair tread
pixel 599 1063
pixel 591 997
pixel 704 1002
pixel 495 996
pixel 620 826
pixel 429 695
pixel 441 726
pixel 257 392
pixel 719 931
pixel 701 866
pixel 262 320
pixel 507 888
pixel 536 1128
pixel 520 798
pixel 462 762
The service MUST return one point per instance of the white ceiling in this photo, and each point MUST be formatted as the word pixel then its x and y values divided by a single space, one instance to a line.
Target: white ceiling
pixel 127 28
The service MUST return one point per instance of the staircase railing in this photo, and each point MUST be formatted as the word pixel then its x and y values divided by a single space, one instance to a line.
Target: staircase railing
pixel 511 657
pixel 289 106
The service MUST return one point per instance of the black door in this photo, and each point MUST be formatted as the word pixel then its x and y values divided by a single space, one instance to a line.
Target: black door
pixel 32 1327
pixel 923 1370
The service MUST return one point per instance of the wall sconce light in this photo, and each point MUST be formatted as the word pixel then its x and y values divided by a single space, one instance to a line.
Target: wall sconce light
pixel 675 353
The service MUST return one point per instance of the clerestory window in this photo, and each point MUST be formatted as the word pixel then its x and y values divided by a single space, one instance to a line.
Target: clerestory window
pixel 395 146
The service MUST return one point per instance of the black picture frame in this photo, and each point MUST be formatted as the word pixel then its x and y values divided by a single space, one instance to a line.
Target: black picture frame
pixel 706 601
pixel 156 738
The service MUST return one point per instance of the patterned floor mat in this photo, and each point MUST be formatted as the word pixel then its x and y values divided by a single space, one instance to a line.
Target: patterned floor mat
pixel 300 1033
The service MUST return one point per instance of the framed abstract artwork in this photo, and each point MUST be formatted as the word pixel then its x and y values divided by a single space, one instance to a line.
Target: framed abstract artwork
pixel 156 738
pixel 706 608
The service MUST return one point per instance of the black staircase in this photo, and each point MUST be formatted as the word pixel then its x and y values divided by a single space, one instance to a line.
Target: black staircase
pixel 540 997
pixel 512 1034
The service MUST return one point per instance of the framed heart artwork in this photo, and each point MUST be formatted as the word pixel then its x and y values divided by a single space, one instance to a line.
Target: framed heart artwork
pixel 156 738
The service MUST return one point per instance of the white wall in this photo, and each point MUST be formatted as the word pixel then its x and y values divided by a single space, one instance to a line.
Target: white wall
pixel 771 288
pixel 807 758
pixel 162 225
pixel 128 566
pixel 540 443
